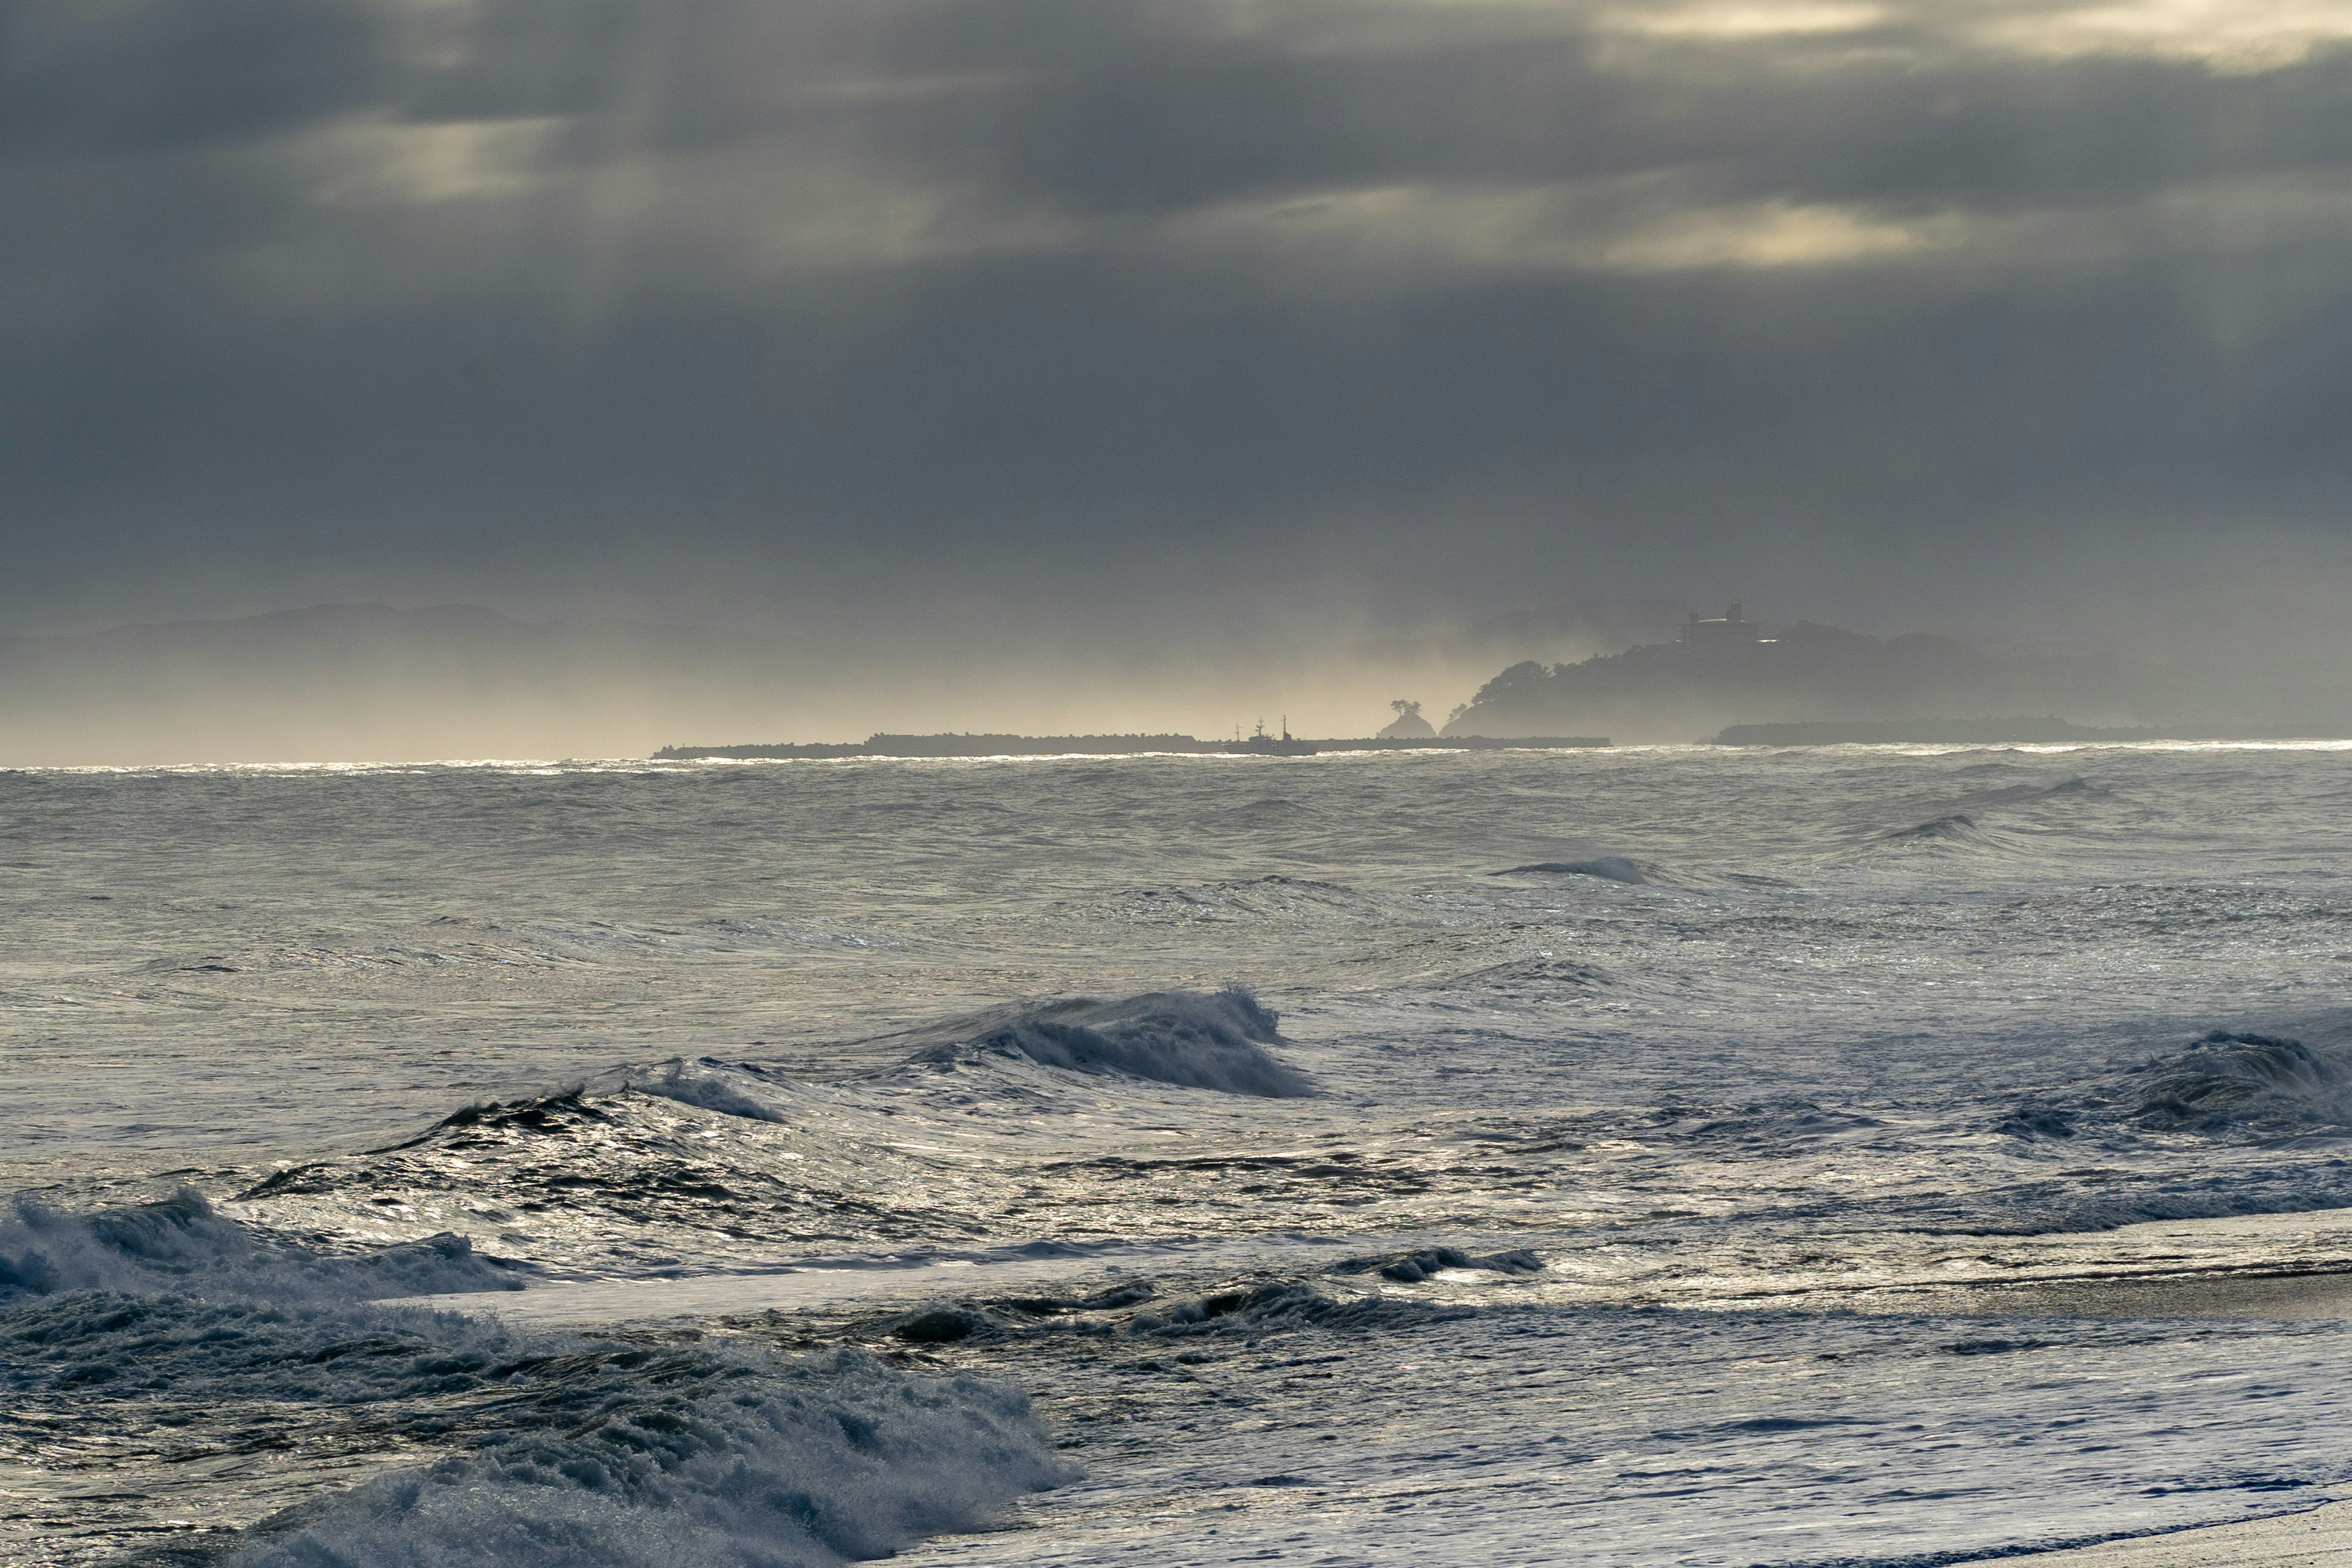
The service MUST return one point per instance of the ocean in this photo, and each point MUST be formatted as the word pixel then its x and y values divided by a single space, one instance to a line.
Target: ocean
pixel 1650 1156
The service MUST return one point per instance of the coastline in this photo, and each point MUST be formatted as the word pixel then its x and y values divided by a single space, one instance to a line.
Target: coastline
pixel 1068 746
pixel 2284 1294
pixel 2317 1537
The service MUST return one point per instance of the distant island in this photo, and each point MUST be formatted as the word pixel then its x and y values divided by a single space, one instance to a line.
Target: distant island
pixel 1724 680
pixel 882 745
pixel 1737 680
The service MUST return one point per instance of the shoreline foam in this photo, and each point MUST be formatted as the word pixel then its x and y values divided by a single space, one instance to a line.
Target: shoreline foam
pixel 2314 1538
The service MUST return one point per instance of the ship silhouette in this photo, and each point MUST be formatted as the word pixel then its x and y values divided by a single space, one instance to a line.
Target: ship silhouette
pixel 1261 744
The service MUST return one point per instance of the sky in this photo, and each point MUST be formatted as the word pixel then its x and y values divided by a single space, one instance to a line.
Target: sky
pixel 1151 332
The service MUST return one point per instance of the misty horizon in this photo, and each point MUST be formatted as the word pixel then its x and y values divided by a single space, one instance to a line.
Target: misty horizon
pixel 1160 364
pixel 377 683
pixel 358 683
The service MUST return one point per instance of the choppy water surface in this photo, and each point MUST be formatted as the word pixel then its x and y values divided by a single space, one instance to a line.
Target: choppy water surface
pixel 1673 1156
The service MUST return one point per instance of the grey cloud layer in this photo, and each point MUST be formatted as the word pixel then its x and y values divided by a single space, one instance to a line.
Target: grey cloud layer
pixel 888 290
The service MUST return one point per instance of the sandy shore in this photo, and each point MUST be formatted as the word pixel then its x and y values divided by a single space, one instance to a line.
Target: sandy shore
pixel 2316 1538
pixel 2313 1294
pixel 2321 1538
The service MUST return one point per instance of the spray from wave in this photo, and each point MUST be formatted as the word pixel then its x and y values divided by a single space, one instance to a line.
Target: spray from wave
pixel 180 1244
pixel 520 1448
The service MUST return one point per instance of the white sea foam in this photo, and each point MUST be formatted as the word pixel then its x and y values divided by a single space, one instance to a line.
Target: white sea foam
pixel 180 1243
pixel 1816 1085
pixel 555 1449
pixel 694 1457
pixel 703 1087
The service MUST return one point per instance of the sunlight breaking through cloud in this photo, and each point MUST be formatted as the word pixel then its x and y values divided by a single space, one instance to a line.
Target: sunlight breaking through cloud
pixel 2228 36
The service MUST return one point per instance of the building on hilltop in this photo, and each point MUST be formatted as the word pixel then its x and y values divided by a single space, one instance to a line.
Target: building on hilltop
pixel 1800 673
pixel 1732 631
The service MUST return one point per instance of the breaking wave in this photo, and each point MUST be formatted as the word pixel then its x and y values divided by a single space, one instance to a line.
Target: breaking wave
pixel 2223 1082
pixel 2245 1094
pixel 2264 1081
pixel 180 1244
pixel 1192 1039
pixel 1195 1039
pixel 703 1088
pixel 683 1457
pixel 1605 868
pixel 1134 1309
pixel 1411 1268
pixel 1956 828
pixel 1280 1306
pixel 539 1450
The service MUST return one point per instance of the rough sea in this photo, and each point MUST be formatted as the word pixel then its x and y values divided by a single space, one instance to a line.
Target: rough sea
pixel 1643 1157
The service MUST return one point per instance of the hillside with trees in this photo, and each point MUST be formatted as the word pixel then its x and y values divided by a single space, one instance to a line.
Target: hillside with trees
pixel 1808 672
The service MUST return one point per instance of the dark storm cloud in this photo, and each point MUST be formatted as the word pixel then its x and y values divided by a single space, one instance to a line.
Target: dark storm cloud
pixel 885 292
pixel 1156 120
pixel 133 80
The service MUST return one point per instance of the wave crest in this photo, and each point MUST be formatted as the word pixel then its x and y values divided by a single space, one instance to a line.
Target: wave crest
pixel 180 1244
pixel 1606 868
pixel 555 1450
pixel 687 1457
pixel 1213 1040
pixel 2263 1081
pixel 703 1088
